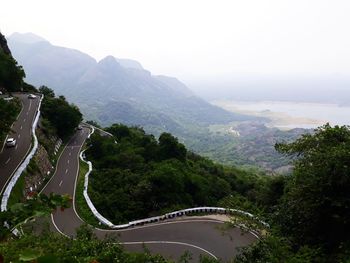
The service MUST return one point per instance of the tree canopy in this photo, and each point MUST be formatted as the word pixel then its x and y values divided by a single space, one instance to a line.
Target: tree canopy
pixel 315 209
pixel 64 117
pixel 11 75
pixel 141 176
pixel 310 216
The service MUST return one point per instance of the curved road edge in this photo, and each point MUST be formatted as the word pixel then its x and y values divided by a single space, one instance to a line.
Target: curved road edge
pixel 171 239
pixel 171 215
pixel 23 165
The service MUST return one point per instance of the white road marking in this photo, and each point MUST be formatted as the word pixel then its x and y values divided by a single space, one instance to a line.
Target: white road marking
pixel 21 127
pixel 27 113
pixel 60 183
pixel 160 224
pixel 4 144
pixel 169 242
pixel 16 147
pixel 8 160
pixel 19 136
pixel 30 105
pixel 24 120
pixel 143 242
pixel 68 161
pixel 54 223
pixel 66 170
pixel 70 154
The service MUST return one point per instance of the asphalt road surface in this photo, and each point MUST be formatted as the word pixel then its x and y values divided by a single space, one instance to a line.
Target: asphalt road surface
pixel 11 158
pixel 171 239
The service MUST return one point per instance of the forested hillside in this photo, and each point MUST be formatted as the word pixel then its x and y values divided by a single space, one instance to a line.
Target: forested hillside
pixel 308 210
pixel 11 74
pixel 310 218
pixel 57 111
pixel 150 176
pixel 11 79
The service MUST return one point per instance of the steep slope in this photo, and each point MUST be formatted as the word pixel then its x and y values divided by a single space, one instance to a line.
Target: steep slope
pixel 11 75
pixel 3 45
pixel 45 64
pixel 129 63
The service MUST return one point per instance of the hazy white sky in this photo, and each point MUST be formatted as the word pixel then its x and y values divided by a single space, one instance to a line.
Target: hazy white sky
pixel 196 38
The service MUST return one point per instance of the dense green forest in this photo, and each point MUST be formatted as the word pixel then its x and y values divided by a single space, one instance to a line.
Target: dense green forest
pixel 308 210
pixel 54 248
pixel 11 75
pixel 253 148
pixel 11 79
pixel 310 221
pixel 151 176
pixel 44 246
pixel 62 116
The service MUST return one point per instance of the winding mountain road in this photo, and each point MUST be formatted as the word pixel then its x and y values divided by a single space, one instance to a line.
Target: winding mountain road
pixel 170 238
pixel 11 158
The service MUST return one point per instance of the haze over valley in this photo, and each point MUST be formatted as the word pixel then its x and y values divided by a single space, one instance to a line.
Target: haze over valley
pixel 116 90
pixel 175 131
pixel 137 97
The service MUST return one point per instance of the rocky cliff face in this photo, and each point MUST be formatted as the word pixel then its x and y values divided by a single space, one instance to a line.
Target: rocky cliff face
pixel 3 45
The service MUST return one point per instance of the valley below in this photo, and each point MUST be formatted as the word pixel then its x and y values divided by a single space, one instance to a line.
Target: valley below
pixel 288 115
pixel 115 90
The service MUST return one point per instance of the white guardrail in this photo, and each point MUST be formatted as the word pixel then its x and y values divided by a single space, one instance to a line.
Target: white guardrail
pixel 188 211
pixel 23 165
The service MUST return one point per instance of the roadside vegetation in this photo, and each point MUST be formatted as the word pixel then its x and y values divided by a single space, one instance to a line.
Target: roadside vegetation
pixel 63 117
pixel 52 248
pixel 308 211
pixel 47 133
pixel 151 177
pixel 59 118
pixel 9 111
pixel 11 80
pixel 45 246
pixel 310 221
pixel 82 207
pixel 11 74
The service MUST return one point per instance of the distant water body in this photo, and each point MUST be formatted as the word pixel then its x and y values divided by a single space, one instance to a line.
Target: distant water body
pixel 314 114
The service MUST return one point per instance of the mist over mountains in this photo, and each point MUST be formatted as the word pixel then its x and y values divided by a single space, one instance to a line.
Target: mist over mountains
pixel 115 90
pixel 327 88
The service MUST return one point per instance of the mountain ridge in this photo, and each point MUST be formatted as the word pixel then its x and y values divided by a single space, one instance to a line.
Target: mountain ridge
pixel 95 84
pixel 108 92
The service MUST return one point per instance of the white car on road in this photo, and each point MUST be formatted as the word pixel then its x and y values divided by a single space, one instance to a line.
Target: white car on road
pixel 31 96
pixel 11 142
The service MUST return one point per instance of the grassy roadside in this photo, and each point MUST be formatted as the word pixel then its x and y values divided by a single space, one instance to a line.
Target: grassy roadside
pixel 81 206
pixel 53 160
pixel 16 195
